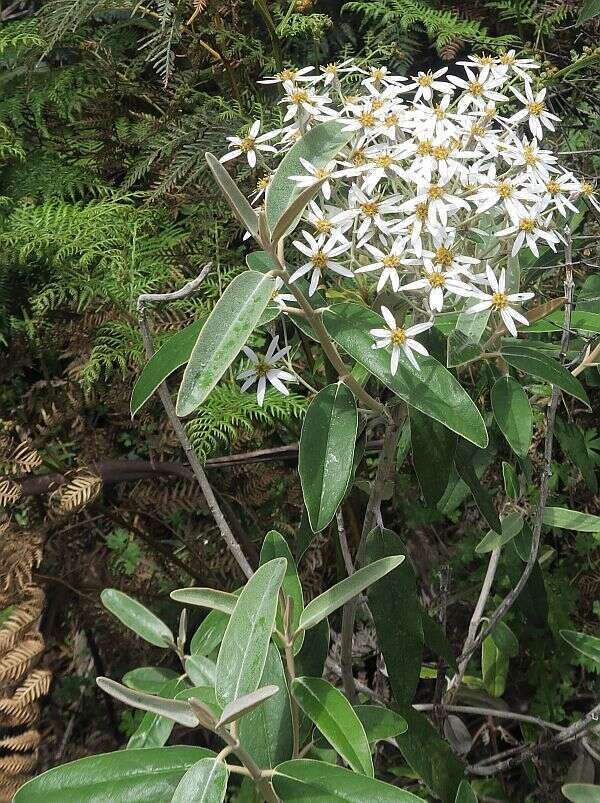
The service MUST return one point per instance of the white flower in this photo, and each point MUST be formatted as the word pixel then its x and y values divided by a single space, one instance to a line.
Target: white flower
pixel 261 188
pixel 507 191
pixel 437 281
pixel 302 99
pixel 528 228
pixel 436 120
pixel 250 144
pixel 330 72
pixel 499 301
pixel 387 262
pixel 556 191
pixel 485 64
pixel 382 163
pixel 426 82
pixel 508 61
pixel 281 299
pixel 535 111
pixel 364 117
pixel 263 371
pixel 400 339
pixel 478 89
pixel 329 221
pixel 316 174
pixel 369 211
pixel 320 253
pixel 439 202
pixel 381 75
pixel 537 162
pixel 290 75
pixel 445 255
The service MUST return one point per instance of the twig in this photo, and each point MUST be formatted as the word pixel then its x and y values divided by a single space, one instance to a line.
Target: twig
pixel 180 432
pixel 442 616
pixel 588 361
pixel 344 543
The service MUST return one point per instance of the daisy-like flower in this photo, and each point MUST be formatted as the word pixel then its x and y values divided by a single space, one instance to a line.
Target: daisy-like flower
pixel 320 253
pixel 261 187
pixel 509 61
pixel 263 370
pixel 529 228
pixel 484 63
pixel 439 201
pixel 290 74
pixel 425 83
pixel 499 301
pixel 332 71
pixel 585 189
pixel 535 160
pixel 250 144
pixel 281 299
pixel 329 221
pixel 300 98
pixel 382 163
pixel 438 282
pixel 387 261
pixel 363 117
pixel 477 90
pixel 400 339
pixel 381 76
pixel 509 192
pixel 558 190
pixel 324 174
pixel 534 111
pixel 445 254
pixel 435 120
pixel 369 211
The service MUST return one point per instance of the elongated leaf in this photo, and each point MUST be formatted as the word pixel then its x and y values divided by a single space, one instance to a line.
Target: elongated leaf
pixel 589 10
pixel 511 482
pixel 505 639
pixel 204 695
pixel 288 221
pixel 397 615
pixel 513 415
pixel 465 793
pixel 170 356
pixel 511 527
pixel 201 670
pixel 326 452
pixel 494 667
pixel 532 361
pixel 582 319
pixel 243 705
pixel 238 203
pixel 150 679
pixel 571 520
pixel 318 146
pixel 154 730
pixel 311 658
pixel 335 597
pixel 463 461
pixel 206 598
pixel 436 640
pixel 433 447
pixel 533 601
pixel 178 711
pixel 581 792
pixel 226 330
pixel 275 546
pixel 244 647
pixel 307 781
pixel 150 775
pixel 588 645
pixel 209 634
pixel 379 722
pixel 432 390
pixel 266 732
pixel 204 782
pixel 137 617
pixel 336 720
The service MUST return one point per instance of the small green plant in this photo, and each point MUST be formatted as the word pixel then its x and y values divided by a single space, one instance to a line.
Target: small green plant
pixel 126 553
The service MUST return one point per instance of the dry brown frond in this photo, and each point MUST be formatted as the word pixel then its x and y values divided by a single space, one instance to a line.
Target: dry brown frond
pixel 15 764
pixel 16 663
pixel 20 554
pixel 23 616
pixel 22 742
pixel 74 495
pixel 9 492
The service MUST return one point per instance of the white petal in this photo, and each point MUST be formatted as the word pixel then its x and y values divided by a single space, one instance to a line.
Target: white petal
pixel 278 384
pixel 260 390
pixel 389 318
pixel 394 360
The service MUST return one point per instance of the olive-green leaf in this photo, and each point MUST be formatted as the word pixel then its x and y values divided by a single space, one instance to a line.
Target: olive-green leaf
pixel 209 634
pixel 580 792
pixel 532 602
pixel 236 200
pixel 505 639
pixel 137 617
pixel 177 710
pixel 311 658
pixel 463 462
pixel 326 452
pixel 201 670
pixel 397 615
pixel 336 720
pixel 154 730
pixel 531 360
pixel 494 667
pixel 588 645
pixel 150 679
pixel 206 598
pixel 511 527
pixel 243 705
pixel 432 390
pixel 308 781
pixel 204 782
pixel 339 594
pixel 170 356
pixel 226 330
pixel 433 447
pixel 436 640
pixel 379 722
pixel 275 546
pixel 244 647
pixel 288 221
pixel 150 775
pixel 318 146
pixel 465 793
pixel 571 520
pixel 512 412
pixel 511 481
pixel 589 10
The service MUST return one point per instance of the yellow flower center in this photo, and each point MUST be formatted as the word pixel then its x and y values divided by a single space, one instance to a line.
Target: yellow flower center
pixel 369 209
pixel 377 104
pixel 247 144
pixel 322 173
pixel 504 189
pixel 391 120
pixel 385 160
pixel 299 96
pixel 536 107
pixel 262 368
pixel 331 69
pixel 507 59
pixel 553 187
pixel 444 256
pixel 527 224
pixel 485 61
pixel 439 112
pixel 529 155
pixel 263 183
pixel 391 261
pixel 287 75
pixel 319 260
pixel 436 279
pixel 323 226
pixel 499 301
pixel 398 337
pixel 358 158
pixel 477 130
pixel 425 80
pixel 377 73
pixel 434 192
pixel 440 152
pixel 587 188
pixel 424 147
pixel 367 119
pixel 421 212
pixel 490 111
pixel 475 88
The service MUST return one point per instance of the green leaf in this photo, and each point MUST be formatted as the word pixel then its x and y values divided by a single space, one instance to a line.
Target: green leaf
pixel 379 722
pixel 307 781
pixel 531 360
pixel 588 645
pixel 226 330
pixel 580 792
pixel 465 793
pixel 209 634
pixel 432 390
pixel 513 415
pixel 397 615
pixel 289 220
pixel 494 667
pixel 433 447
pixel 137 617
pixel 505 639
pixel 170 356
pixel 336 720
pixel 460 350
pixel 430 756
pixel 275 546
pixel 243 705
pixel 204 782
pixel 335 597
pixel 589 10
pixel 532 601
pixel 436 640
pixel 149 775
pixel 204 695
pixel 511 482
pixel 244 647
pixel 154 730
pixel 201 670
pixel 318 146
pixel 326 452
pixel 150 679
pixel 238 202
pixel 311 658
pixel 177 710
pixel 206 598
pixel 511 527
pixel 463 461
pixel 571 520
pixel 266 732
pixel 584 320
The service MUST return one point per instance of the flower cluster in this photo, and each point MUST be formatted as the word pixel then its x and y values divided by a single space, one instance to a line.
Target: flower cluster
pixel 443 182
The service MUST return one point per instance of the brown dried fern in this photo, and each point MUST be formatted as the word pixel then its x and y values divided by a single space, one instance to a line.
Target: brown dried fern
pixel 17 763
pixel 20 554
pixel 16 663
pixel 22 619
pixel 22 742
pixel 82 488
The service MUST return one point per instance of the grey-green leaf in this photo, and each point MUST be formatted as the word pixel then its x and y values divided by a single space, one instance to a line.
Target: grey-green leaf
pixel 511 527
pixel 326 452
pixel 581 792
pixel 336 719
pixel 494 667
pixel 512 412
pixel 335 597
pixel 379 722
pixel 236 200
pixel 204 782
pixel 465 793
pixel 243 705
pixel 571 520
pixel 275 546
pixel 433 447
pixel 201 670
pixel 534 361
pixel 137 617
pixel 176 710
pixel 244 647
pixel 150 679
pixel 154 730
pixel 209 634
pixel 206 598
pixel 226 330
pixel 505 639
pixel 587 645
